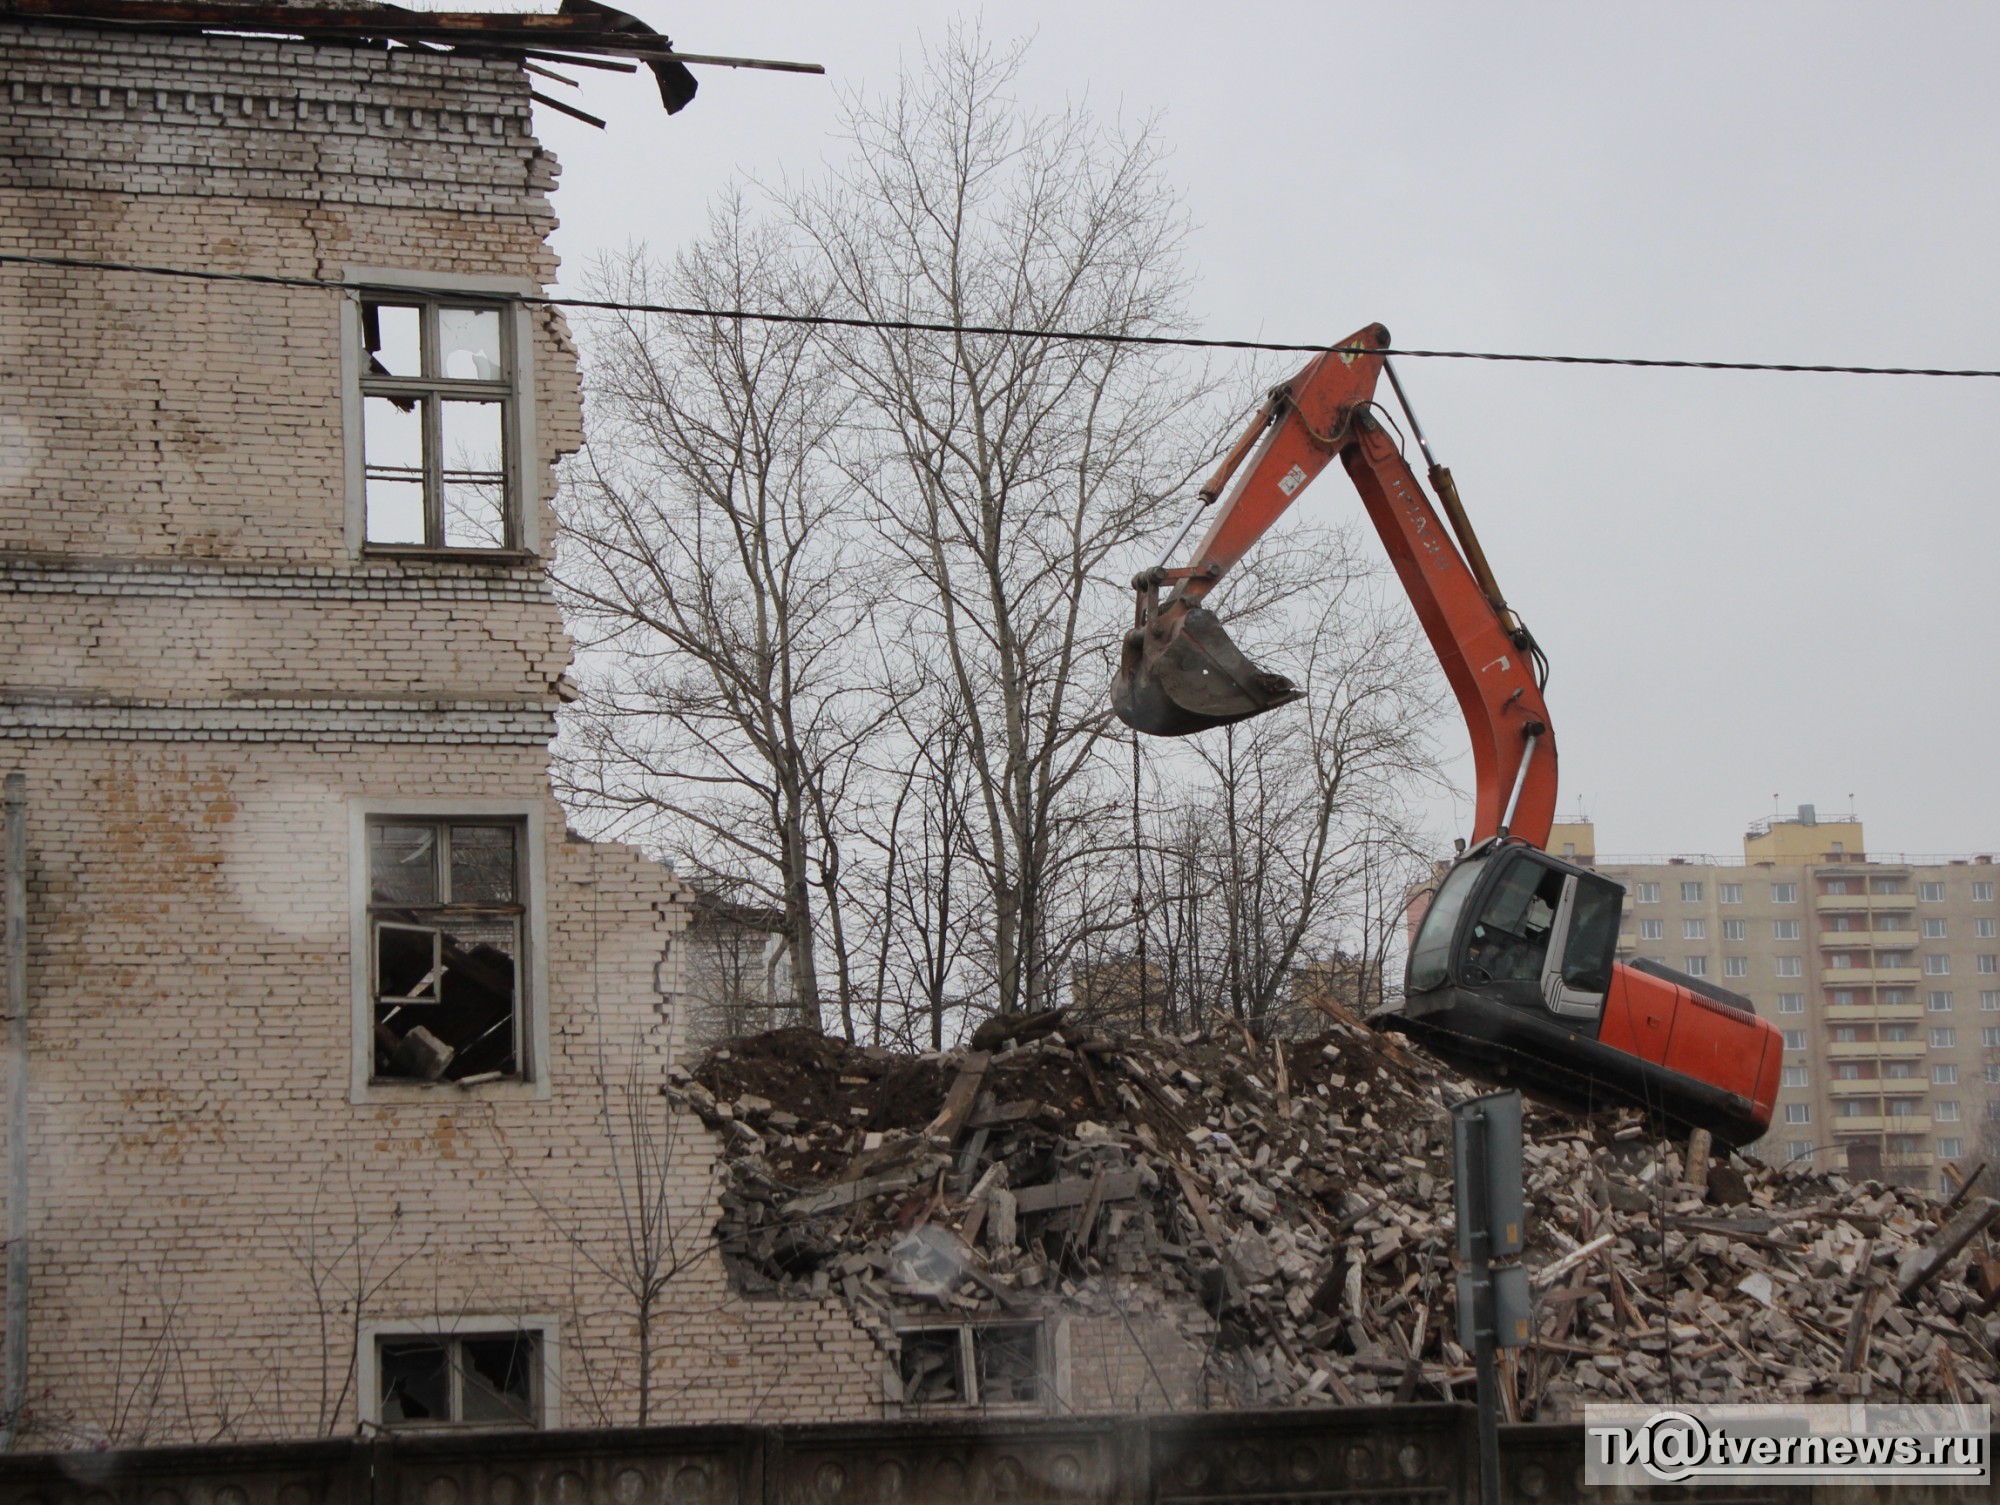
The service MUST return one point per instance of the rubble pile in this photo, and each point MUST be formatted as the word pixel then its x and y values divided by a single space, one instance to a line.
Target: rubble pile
pixel 1288 1206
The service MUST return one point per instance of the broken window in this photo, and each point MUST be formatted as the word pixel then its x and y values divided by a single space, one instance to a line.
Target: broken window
pixel 984 1364
pixel 445 910
pixel 483 1379
pixel 437 423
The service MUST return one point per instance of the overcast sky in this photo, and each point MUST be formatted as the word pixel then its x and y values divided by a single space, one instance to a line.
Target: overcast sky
pixel 1748 585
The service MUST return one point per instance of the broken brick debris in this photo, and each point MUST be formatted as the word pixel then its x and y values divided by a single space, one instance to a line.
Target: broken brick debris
pixel 1289 1206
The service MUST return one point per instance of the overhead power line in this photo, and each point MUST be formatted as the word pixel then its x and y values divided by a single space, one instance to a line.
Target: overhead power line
pixel 1003 331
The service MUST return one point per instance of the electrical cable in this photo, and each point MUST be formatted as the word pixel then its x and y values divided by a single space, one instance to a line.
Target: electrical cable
pixel 1002 331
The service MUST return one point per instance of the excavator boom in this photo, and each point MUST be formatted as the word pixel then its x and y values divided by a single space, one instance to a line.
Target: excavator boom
pixel 1179 672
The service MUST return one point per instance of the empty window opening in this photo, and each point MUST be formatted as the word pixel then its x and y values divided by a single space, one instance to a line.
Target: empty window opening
pixel 444 919
pixel 988 1364
pixel 437 400
pixel 485 1379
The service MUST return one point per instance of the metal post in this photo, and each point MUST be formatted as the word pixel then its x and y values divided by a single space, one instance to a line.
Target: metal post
pixel 16 804
pixel 1472 1174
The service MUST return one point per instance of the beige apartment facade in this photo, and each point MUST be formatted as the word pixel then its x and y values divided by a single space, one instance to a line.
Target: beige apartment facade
pixel 1881 969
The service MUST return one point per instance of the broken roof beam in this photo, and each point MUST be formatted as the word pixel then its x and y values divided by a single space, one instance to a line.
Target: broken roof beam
pixel 569 31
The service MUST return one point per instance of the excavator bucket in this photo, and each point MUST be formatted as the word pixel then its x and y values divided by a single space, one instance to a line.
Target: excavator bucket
pixel 1190 677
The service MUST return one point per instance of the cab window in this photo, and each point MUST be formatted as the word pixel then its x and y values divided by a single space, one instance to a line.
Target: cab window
pixel 1430 957
pixel 1510 941
pixel 1593 935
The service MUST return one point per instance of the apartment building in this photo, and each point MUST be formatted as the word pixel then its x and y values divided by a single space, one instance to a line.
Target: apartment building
pixel 1882 970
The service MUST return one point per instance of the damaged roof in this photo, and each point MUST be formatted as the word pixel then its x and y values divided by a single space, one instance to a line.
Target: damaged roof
pixel 582 33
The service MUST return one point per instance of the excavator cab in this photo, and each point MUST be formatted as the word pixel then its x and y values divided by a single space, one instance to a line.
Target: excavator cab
pixel 1514 976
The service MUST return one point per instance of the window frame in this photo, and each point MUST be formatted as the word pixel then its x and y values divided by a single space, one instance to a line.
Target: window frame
pixel 1652 930
pixel 1729 893
pixel 519 434
pixel 531 971
pixel 545 1329
pixel 1052 1355
pixel 1784 893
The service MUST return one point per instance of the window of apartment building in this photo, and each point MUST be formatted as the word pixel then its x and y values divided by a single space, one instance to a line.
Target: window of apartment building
pixel 448 985
pixel 1790 966
pixel 1886 886
pixel 1795 1039
pixel 1646 893
pixel 1989 1038
pixel 1785 930
pixel 1694 930
pixel 1936 966
pixel 1945 1113
pixel 1794 1076
pixel 1652 930
pixel 1938 1002
pixel 1930 893
pixel 1695 966
pixel 1893 995
pixel 1798 1149
pixel 1985 926
pixel 1943 1039
pixel 1729 893
pixel 1898 1032
pixel 1993 1076
pixel 1903 1107
pixel 1900 1071
pixel 1950 1149
pixel 1845 1034
pixel 1784 893
pixel 1933 928
pixel 1983 892
pixel 1838 924
pixel 1841 997
pixel 1840 961
pixel 1944 1074
pixel 1736 966
pixel 438 422
pixel 1798 1113
pixel 1854 1107
pixel 1735 930
pixel 444 924
pixel 1847 1071
pixel 1791 1003
pixel 1989 964
pixel 973 1364
pixel 1893 959
pixel 1690 893
pixel 1989 1000
pixel 460 1379
pixel 1992 1110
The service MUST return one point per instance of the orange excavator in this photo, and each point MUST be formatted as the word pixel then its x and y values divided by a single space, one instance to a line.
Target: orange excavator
pixel 1513 976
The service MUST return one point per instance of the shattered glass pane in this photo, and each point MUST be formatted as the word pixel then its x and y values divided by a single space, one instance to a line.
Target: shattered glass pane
pixel 402 863
pixel 469 344
pixel 392 442
pixel 416 1381
pixel 930 1367
pixel 482 864
pixel 393 334
pixel 498 1378
pixel 1009 1364
pixel 475 477
pixel 407 963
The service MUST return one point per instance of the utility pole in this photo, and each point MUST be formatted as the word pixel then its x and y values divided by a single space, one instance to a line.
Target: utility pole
pixel 16 805
pixel 1493 1310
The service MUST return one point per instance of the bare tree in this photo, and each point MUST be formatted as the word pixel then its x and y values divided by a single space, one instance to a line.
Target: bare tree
pixel 709 563
pixel 1010 477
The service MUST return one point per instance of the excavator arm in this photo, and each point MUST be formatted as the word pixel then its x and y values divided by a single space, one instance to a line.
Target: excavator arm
pixel 1179 672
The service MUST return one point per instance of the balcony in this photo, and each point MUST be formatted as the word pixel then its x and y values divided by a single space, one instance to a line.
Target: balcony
pixel 1874 1013
pixel 1871 1050
pixel 1863 977
pixel 1907 1159
pixel 1826 902
pixel 1867 1086
pixel 1881 1125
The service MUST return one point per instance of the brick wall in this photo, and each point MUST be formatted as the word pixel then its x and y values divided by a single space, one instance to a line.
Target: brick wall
pixel 205 678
